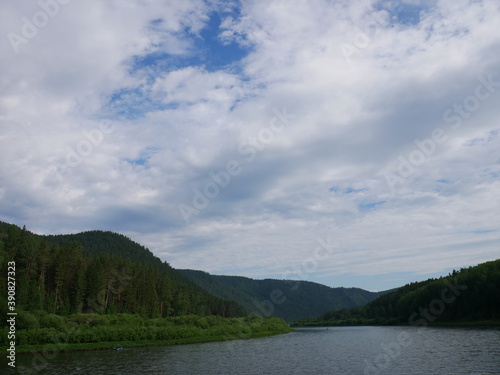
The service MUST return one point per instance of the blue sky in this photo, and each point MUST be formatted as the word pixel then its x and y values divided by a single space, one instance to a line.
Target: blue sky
pixel 347 143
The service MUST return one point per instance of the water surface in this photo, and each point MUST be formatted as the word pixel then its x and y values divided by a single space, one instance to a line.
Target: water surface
pixel 314 351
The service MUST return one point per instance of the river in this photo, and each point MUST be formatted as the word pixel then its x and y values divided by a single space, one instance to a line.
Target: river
pixel 314 351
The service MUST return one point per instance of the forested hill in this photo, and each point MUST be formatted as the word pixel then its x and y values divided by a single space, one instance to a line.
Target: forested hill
pixel 290 300
pixel 470 295
pixel 99 272
pixel 101 242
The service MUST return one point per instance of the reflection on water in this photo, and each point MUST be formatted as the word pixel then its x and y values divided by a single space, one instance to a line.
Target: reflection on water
pixel 334 350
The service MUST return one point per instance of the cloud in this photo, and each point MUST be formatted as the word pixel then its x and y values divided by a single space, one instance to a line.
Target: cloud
pixel 112 116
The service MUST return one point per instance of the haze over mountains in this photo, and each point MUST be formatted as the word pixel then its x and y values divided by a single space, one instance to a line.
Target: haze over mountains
pixel 287 299
pixel 85 263
pixel 60 273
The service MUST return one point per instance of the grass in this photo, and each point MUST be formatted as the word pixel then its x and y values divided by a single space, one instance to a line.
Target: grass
pixel 64 347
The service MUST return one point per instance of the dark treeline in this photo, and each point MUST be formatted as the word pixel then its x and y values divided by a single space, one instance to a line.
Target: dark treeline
pixel 468 295
pixel 101 242
pixel 98 272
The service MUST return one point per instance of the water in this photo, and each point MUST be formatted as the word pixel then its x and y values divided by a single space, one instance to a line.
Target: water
pixel 315 351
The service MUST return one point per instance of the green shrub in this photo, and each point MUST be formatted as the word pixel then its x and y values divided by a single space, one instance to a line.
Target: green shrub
pixel 26 320
pixel 52 321
pixel 100 320
pixel 82 318
pixel 94 328
pixel 36 336
pixel 126 319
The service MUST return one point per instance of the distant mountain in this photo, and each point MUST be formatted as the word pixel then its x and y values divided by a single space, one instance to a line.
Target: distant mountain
pixel 290 300
pixel 469 295
pixel 100 271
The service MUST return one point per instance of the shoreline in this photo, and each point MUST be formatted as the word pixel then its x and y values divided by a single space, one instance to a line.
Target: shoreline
pixel 475 324
pixel 108 345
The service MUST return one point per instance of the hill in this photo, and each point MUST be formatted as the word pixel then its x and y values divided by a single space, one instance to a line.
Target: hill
pixel 101 242
pixel 470 295
pixel 98 272
pixel 106 272
pixel 287 299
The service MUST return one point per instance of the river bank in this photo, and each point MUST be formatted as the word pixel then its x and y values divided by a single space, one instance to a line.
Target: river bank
pixel 62 347
pixel 97 332
pixel 474 324
pixel 341 350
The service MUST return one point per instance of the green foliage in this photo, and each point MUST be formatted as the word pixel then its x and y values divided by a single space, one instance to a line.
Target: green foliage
pixel 125 319
pixel 97 272
pixel 287 299
pixel 471 294
pixel 80 328
pixel 51 321
pixel 26 320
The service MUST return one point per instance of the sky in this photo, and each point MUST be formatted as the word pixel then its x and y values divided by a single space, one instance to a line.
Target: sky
pixel 350 143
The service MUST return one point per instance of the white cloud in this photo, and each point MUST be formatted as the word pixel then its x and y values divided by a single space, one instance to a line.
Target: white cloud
pixel 176 121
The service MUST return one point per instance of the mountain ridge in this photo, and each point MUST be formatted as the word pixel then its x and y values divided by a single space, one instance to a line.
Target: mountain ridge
pixel 61 273
pixel 287 299
pixel 465 296
pixel 101 272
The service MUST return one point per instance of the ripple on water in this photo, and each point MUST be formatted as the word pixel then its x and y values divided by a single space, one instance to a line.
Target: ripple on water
pixel 315 351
